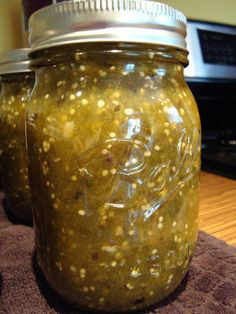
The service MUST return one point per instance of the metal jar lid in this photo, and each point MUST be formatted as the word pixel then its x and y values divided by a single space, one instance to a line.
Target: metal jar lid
pixel 133 21
pixel 14 61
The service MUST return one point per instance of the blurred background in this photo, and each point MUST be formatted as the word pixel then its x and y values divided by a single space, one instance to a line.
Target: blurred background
pixel 12 24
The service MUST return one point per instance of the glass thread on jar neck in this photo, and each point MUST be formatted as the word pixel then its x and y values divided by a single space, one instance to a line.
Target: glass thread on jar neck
pixel 108 52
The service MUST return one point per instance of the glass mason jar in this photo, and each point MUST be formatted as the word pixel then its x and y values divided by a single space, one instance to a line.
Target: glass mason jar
pixel 17 82
pixel 113 137
pixel 0 147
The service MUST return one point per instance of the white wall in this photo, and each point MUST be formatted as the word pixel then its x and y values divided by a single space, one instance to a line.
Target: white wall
pixel 11 24
pixel 223 11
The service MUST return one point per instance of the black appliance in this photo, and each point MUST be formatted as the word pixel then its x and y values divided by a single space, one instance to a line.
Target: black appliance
pixel 211 76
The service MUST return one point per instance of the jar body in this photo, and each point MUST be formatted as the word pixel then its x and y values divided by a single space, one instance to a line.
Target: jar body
pixel 16 89
pixel 114 156
pixel 1 186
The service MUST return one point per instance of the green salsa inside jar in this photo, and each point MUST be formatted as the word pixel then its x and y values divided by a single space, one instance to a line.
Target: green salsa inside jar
pixel 114 156
pixel 16 88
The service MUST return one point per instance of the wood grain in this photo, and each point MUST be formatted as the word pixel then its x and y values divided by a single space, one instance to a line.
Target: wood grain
pixel 217 214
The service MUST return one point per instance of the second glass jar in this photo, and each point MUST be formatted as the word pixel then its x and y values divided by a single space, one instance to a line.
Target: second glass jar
pixel 17 82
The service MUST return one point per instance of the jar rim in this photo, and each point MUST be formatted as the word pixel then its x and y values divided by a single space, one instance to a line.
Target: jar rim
pixel 15 61
pixel 128 21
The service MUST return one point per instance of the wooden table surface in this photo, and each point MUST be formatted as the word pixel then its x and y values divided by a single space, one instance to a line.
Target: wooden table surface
pixel 218 206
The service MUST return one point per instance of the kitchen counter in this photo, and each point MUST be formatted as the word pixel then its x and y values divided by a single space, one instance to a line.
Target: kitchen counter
pixel 218 207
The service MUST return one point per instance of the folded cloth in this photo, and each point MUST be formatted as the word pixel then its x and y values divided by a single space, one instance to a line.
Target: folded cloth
pixel 208 288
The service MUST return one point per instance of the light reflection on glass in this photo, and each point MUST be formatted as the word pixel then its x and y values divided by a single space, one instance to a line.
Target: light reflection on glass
pixel 174 115
pixel 134 127
pixel 161 72
pixel 151 210
pixel 116 51
pixel 130 67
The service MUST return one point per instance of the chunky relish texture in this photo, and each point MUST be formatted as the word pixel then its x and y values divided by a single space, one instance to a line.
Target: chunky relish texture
pixel 14 97
pixel 114 157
